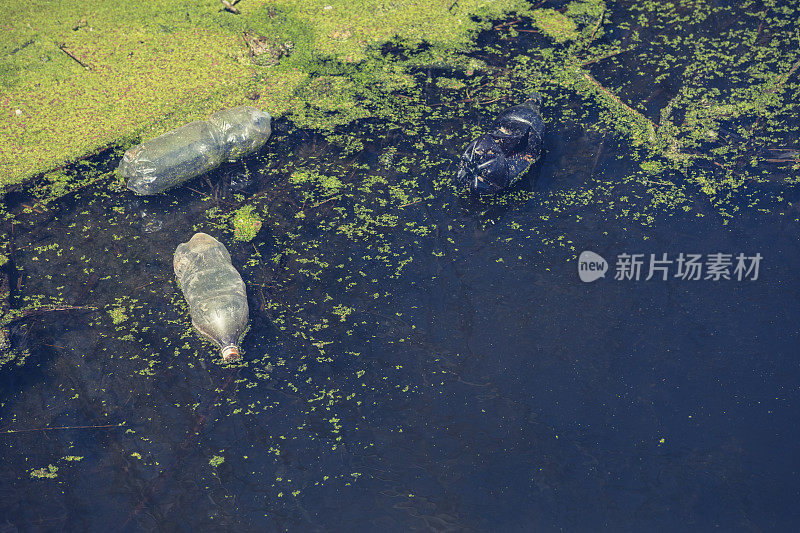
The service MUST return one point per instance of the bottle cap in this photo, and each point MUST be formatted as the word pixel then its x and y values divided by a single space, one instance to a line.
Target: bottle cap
pixel 229 353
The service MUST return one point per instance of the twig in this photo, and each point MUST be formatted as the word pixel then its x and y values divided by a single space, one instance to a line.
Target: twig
pixel 612 54
pixel 786 77
pixel 33 208
pixel 758 32
pixel 410 203
pixel 323 202
pixel 73 56
pixel 479 102
pixel 51 309
pixel 597 156
pixel 618 101
pixel 145 285
pixel 59 427
pixel 229 6
pixel 599 23
pixel 89 285
pixel 509 23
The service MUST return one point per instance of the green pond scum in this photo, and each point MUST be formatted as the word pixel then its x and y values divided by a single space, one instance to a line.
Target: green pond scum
pixel 339 224
pixel 76 77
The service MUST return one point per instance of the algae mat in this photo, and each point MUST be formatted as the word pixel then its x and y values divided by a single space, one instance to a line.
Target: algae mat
pixel 78 76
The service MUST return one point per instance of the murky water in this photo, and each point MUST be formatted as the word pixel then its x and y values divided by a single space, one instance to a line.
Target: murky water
pixel 416 360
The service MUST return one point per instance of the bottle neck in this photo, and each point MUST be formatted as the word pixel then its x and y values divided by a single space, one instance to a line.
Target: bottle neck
pixel 230 353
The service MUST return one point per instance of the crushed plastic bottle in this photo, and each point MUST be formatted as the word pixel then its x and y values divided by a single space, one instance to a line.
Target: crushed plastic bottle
pixel 194 149
pixel 241 130
pixel 214 291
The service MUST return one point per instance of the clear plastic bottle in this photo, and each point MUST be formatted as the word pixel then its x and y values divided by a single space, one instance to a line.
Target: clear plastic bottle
pixel 214 291
pixel 194 149
pixel 241 131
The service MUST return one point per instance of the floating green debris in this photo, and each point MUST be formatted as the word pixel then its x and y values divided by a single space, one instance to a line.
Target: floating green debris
pixel 216 460
pixel 246 223
pixel 118 315
pixel 137 54
pixel 555 25
pixel 47 472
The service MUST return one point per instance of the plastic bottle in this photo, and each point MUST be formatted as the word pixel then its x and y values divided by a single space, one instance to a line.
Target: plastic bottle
pixel 194 149
pixel 214 291
pixel 241 130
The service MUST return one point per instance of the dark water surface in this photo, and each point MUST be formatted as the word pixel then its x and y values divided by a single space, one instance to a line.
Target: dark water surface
pixel 416 360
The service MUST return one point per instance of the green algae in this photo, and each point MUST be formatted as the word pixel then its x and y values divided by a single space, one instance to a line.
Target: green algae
pixel 246 224
pixel 77 78
pixel 118 315
pixel 46 472
pixel 555 25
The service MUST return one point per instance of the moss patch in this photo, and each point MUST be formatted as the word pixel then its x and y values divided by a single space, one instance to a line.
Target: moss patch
pixel 76 77
pixel 555 25
pixel 246 224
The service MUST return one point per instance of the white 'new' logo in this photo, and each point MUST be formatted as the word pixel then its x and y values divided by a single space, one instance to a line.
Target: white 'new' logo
pixel 591 266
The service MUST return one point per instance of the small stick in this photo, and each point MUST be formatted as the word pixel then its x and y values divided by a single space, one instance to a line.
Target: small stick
pixel 145 285
pixel 599 23
pixel 42 310
pixel 89 285
pixel 324 202
pixel 229 6
pixel 612 54
pixel 618 101
pixel 484 102
pixel 73 56
pixel 786 77
pixel 410 203
pixel 59 427
pixel 33 208
pixel 503 25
